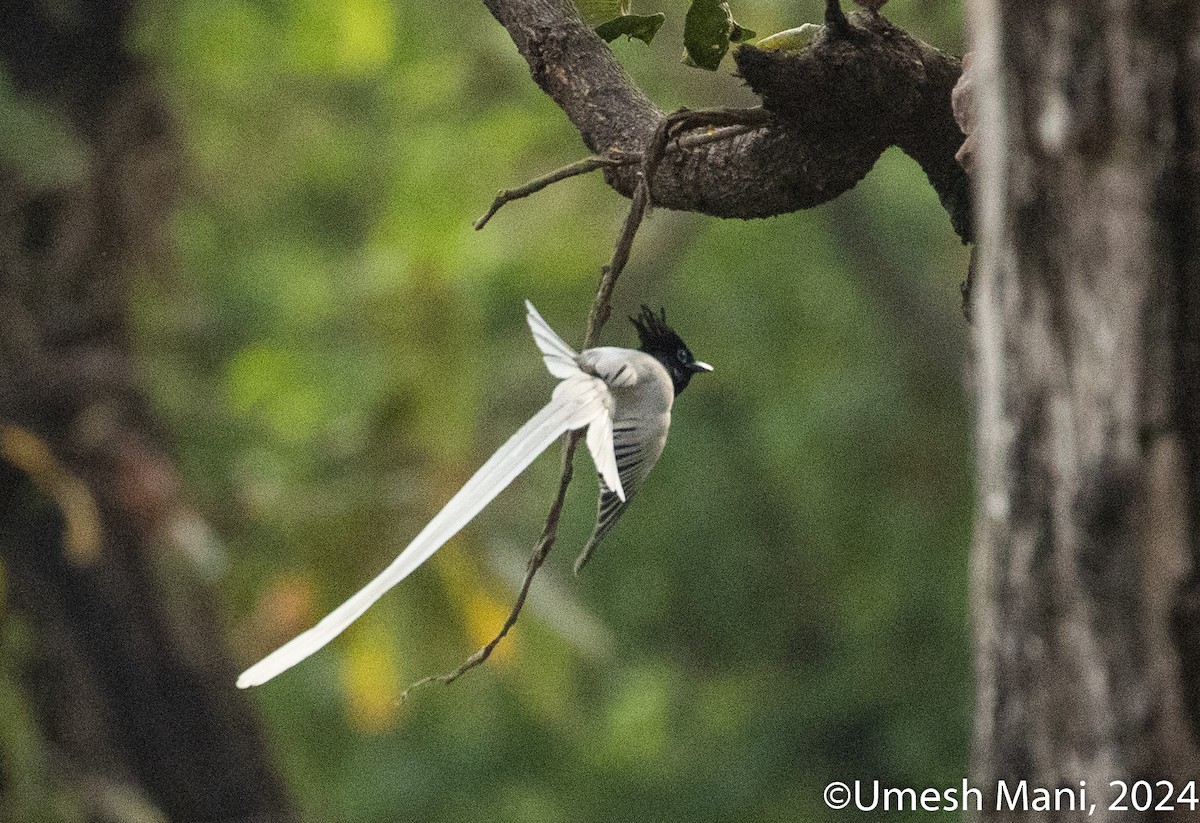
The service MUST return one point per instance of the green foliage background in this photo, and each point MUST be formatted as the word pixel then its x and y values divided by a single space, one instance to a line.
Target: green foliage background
pixel 336 350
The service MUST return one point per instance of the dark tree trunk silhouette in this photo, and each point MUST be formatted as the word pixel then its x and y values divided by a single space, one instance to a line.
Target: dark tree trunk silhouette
pixel 1087 350
pixel 125 670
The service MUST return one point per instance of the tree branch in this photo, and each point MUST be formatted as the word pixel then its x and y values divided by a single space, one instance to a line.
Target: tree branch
pixel 584 166
pixel 731 124
pixel 835 106
pixel 835 18
pixel 749 163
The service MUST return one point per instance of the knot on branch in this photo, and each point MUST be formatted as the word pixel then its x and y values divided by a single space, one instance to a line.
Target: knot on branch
pixel 850 95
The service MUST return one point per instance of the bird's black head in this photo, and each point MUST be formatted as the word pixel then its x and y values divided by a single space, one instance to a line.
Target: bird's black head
pixel 661 342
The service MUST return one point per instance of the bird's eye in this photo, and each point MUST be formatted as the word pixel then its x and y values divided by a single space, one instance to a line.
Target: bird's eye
pixel 683 355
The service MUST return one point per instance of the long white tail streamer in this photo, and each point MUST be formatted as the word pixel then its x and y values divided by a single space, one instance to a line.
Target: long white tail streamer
pixel 578 400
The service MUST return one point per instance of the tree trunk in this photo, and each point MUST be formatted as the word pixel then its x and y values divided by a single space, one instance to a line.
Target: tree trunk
pixel 1087 373
pixel 124 672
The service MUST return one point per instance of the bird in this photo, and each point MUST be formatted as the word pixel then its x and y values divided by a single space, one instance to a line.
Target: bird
pixel 641 410
pixel 623 397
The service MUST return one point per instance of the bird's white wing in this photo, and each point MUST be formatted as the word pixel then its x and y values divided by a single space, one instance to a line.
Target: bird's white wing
pixel 564 362
pixel 600 444
pixel 561 360
pixel 578 401
pixel 614 366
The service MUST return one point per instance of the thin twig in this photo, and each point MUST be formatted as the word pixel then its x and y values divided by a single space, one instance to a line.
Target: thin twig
pixel 541 550
pixel 600 311
pixel 723 124
pixel 601 306
pixel 584 166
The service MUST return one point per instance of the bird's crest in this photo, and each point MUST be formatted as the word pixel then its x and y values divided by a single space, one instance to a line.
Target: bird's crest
pixel 654 333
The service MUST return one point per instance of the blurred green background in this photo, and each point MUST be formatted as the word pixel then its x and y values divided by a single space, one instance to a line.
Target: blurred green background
pixel 335 350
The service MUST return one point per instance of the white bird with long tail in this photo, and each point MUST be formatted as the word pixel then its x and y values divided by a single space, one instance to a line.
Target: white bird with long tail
pixel 622 396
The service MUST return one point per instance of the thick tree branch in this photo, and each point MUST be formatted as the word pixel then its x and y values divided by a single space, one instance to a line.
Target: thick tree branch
pixel 837 104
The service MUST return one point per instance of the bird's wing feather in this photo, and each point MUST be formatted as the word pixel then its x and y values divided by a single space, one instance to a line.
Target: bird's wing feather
pixel 612 365
pixel 561 360
pixel 600 444
pixel 637 445
pixel 577 401
pixel 608 511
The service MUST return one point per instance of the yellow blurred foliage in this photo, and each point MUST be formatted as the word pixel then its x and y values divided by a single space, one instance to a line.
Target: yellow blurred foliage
pixel 81 518
pixel 370 676
pixel 482 614
pixel 351 38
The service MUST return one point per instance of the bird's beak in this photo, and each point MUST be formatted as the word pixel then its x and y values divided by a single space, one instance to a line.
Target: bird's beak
pixel 700 365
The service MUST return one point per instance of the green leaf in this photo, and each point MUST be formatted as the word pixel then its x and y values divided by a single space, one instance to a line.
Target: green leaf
pixel 789 39
pixel 740 34
pixel 706 31
pixel 641 26
pixel 597 11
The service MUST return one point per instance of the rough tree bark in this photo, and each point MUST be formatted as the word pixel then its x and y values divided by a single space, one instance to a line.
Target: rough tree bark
pixel 127 675
pixel 1087 370
pixel 836 107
